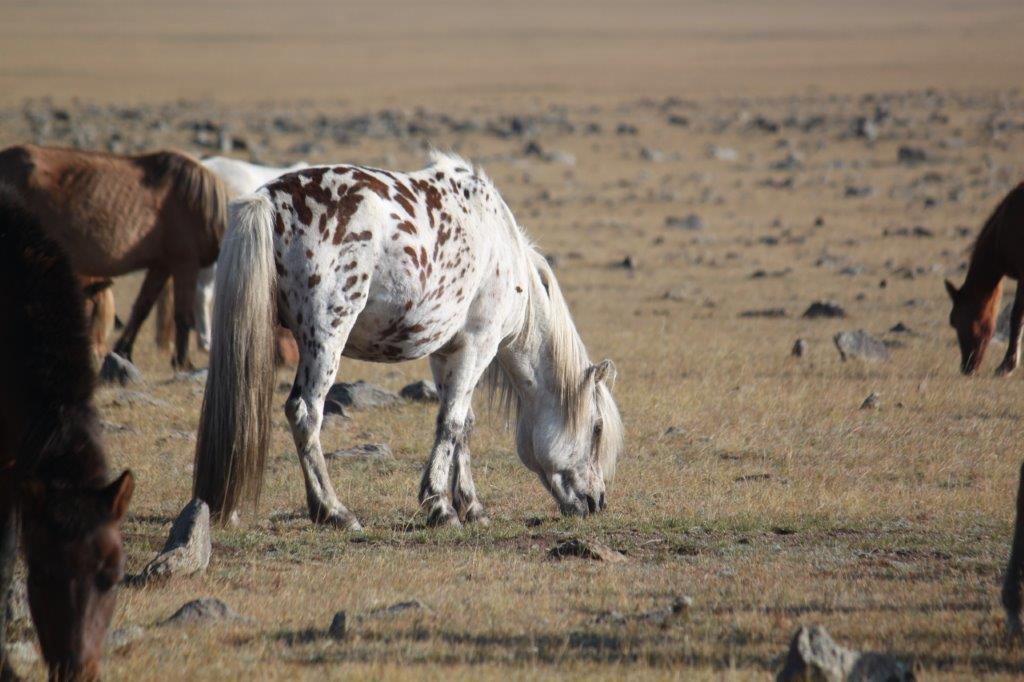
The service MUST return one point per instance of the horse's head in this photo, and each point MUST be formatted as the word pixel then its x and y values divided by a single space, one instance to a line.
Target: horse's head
pixel 974 319
pixel 574 450
pixel 72 541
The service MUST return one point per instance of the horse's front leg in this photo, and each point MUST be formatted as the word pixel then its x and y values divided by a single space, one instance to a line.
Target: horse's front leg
pixel 467 505
pixel 1013 345
pixel 152 285
pixel 443 485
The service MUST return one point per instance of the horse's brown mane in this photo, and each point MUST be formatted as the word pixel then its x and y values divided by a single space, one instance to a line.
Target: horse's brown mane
pixel 46 351
pixel 198 187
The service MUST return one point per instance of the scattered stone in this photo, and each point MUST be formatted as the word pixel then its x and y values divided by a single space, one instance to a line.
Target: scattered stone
pixel 661 617
pixel 339 626
pixel 824 309
pixel 765 312
pixel 122 638
pixel 361 396
pixel 203 610
pixel 814 655
pixel 370 452
pixel 626 129
pixel 872 402
pixel 865 128
pixel 627 263
pixel 397 609
pixel 858 191
pixel 799 348
pixel 911 155
pixel 420 391
pixel 586 549
pixel 788 163
pixel 900 328
pixel 653 155
pixel 722 153
pixel 118 370
pixel 334 410
pixel 187 550
pixel 860 344
pixel 690 221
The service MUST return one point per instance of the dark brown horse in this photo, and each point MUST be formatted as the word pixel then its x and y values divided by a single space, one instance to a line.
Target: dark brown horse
pixel 162 212
pixel 998 253
pixel 53 475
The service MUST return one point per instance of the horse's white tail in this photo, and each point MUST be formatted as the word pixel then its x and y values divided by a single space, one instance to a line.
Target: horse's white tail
pixel 234 428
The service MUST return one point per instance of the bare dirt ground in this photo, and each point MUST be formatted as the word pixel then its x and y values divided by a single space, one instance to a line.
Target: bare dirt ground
pixel 745 158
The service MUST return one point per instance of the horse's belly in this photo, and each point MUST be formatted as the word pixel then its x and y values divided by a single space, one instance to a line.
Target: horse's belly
pixel 393 328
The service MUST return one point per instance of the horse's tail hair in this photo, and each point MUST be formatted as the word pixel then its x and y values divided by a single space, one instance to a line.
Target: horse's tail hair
pixel 234 427
pixel 165 317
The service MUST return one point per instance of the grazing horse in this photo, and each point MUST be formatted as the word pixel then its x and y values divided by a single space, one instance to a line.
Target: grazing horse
pixel 998 252
pixel 240 178
pixel 161 212
pixel 53 473
pixel 387 267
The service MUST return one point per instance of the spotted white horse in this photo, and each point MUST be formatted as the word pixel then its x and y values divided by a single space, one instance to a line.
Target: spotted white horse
pixel 387 267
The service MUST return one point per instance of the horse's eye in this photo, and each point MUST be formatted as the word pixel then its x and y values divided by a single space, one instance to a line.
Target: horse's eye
pixel 598 427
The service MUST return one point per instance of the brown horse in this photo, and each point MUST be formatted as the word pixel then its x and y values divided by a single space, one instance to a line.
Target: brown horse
pixel 162 212
pixel 53 474
pixel 99 311
pixel 998 252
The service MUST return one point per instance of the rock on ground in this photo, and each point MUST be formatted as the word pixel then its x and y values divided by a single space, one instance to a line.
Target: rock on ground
pixel 826 309
pixel 203 610
pixel 814 655
pixel 339 626
pixel 586 549
pixel 124 637
pixel 872 402
pixel 118 370
pixel 367 451
pixel 187 550
pixel 361 396
pixel 860 344
pixel 420 391
pixel 799 348
pixel 396 609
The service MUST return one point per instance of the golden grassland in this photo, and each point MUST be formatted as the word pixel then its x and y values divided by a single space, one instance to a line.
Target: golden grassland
pixel 752 481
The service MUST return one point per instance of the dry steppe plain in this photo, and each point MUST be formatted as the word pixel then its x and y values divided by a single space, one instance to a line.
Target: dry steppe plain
pixel 695 202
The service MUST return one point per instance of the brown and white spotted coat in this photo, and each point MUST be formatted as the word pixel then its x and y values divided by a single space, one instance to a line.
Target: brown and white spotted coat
pixel 386 267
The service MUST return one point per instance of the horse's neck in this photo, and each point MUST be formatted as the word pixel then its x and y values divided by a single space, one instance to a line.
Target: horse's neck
pixel 66 449
pixel 985 271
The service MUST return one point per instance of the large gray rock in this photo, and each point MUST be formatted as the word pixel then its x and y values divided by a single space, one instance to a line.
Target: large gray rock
pixel 118 370
pixel 361 396
pixel 859 344
pixel 187 550
pixel 420 391
pixel 203 610
pixel 814 655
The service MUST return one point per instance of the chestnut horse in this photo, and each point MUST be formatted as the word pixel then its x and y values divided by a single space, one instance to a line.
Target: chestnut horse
pixel 53 474
pixel 998 252
pixel 161 212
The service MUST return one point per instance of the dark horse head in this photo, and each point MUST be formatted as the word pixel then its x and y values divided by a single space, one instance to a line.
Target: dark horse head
pixel 72 541
pixel 974 319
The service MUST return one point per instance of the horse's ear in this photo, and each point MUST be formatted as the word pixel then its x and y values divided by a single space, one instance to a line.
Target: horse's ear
pixel 118 494
pixel 603 372
pixel 951 290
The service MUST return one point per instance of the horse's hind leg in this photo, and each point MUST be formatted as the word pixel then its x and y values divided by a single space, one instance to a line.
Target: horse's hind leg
pixel 456 375
pixel 318 365
pixel 184 315
pixel 155 279
pixel 204 304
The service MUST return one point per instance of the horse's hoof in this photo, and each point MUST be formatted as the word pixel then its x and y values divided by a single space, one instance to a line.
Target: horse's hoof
pixel 346 521
pixel 1005 370
pixel 477 515
pixel 443 515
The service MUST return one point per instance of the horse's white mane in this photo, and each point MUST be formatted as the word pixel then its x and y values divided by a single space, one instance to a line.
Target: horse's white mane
pixel 569 359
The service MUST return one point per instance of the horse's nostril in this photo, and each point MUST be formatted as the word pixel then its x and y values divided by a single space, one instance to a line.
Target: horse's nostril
pixel 591 504
pixel 601 502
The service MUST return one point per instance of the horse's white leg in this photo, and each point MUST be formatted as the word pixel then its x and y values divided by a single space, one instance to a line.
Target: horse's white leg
pixel 456 375
pixel 464 498
pixel 318 365
pixel 204 304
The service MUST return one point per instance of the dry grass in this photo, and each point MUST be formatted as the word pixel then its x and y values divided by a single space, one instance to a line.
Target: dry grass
pixel 775 501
